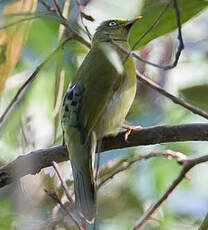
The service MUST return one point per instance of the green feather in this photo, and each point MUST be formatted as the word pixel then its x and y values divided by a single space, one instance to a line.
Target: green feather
pixel 96 104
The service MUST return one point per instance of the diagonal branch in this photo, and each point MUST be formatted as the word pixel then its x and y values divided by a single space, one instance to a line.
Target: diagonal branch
pixel 55 197
pixel 180 39
pixel 204 224
pixel 33 162
pixel 188 164
pixel 173 98
pixel 159 89
pixel 20 93
pixel 126 162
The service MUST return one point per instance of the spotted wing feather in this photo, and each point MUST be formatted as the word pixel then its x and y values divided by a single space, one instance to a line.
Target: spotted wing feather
pixel 72 104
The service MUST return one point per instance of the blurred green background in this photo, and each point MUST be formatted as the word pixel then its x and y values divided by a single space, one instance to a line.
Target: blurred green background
pixel 34 123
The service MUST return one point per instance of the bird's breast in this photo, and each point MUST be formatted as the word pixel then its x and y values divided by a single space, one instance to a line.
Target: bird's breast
pixel 119 104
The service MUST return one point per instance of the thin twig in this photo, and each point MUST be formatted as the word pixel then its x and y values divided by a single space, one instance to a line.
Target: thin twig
pixel 188 164
pixel 126 163
pixel 27 83
pixel 54 196
pixel 47 6
pixel 63 182
pixel 134 55
pixel 82 14
pixel 58 8
pixel 180 40
pixel 87 17
pixel 155 86
pixel 204 224
pixel 162 91
pixel 64 185
pixel 80 6
pixel 173 98
pixel 61 19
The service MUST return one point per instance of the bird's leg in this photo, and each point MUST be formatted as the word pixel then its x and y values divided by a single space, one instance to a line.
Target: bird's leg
pixel 130 128
pixel 63 142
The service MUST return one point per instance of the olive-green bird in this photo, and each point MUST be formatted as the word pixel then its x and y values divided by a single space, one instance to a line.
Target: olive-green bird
pixel 96 104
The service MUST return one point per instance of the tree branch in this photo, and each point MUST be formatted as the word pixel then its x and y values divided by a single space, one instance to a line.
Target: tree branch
pixel 188 164
pixel 33 162
pixel 204 225
pixel 173 98
pixel 22 89
pixel 126 162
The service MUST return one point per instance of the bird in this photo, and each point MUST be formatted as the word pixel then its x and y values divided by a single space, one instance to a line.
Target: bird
pixel 96 104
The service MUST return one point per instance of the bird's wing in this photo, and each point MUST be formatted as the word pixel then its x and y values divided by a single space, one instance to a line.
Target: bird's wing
pixel 80 149
pixel 100 78
pixel 71 105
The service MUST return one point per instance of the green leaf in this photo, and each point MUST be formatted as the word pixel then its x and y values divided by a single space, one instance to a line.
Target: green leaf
pixel 153 8
pixel 204 224
pixel 6 218
pixel 197 95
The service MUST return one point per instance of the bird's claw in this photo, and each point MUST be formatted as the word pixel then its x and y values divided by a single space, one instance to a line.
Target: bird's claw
pixel 129 129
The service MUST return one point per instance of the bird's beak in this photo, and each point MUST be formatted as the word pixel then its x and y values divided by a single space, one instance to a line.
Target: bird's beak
pixel 131 22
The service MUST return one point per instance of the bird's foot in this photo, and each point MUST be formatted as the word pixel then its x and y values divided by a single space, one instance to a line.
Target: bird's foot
pixel 129 129
pixel 63 140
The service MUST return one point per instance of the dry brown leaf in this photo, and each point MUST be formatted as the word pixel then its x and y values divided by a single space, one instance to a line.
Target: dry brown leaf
pixel 12 39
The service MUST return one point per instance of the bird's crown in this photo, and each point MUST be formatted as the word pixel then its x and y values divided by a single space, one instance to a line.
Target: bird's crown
pixel 114 29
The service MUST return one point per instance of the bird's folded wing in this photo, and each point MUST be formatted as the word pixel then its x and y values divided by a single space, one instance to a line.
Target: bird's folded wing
pixel 100 78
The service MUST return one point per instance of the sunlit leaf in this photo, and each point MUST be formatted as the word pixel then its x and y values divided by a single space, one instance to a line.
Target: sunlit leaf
pixel 12 39
pixel 153 8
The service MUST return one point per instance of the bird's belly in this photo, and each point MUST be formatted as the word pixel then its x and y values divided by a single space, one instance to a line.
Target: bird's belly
pixel 116 111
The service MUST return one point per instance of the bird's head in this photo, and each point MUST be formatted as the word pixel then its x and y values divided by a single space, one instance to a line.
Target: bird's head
pixel 117 30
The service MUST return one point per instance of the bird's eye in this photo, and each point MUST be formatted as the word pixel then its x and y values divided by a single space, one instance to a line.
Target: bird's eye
pixel 112 23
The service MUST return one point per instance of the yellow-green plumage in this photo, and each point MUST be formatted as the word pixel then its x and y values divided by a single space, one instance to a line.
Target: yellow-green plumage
pixel 96 104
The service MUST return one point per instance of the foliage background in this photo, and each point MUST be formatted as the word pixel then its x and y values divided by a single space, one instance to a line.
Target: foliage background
pixel 32 124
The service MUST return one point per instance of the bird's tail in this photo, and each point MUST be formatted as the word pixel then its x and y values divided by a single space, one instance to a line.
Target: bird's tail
pixel 84 192
pixel 81 160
